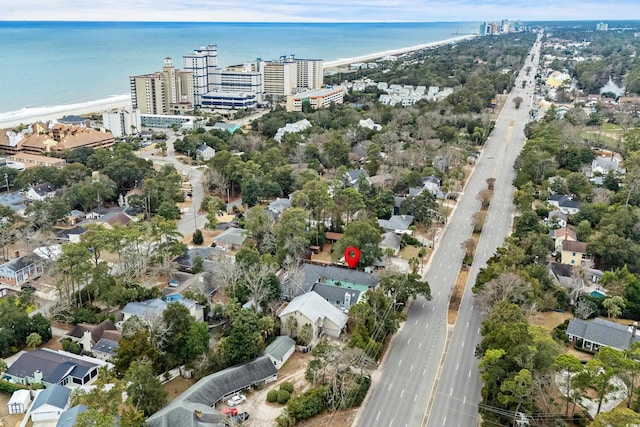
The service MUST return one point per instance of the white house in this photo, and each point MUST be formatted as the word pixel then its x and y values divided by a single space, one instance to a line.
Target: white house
pixel 50 403
pixel 603 165
pixel 152 309
pixel 40 192
pixel 205 152
pixel 311 308
pixel 280 350
pixel 369 124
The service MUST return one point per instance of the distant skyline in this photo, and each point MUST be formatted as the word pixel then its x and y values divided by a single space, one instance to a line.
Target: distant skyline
pixel 317 10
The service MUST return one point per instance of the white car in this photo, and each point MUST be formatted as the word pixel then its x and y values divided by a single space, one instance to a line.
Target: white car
pixel 236 400
pixel 490 157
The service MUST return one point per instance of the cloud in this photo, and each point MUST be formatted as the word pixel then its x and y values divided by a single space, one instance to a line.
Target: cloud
pixel 317 10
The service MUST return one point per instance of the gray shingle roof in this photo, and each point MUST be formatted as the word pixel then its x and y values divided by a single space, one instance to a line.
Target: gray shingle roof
pixel 334 294
pixel 232 236
pixel 313 307
pixel 316 273
pixel 55 395
pixel 106 346
pixel 396 222
pixel 68 417
pixel 53 365
pixel 279 347
pixel 18 264
pixel 204 394
pixel 390 240
pixel 602 332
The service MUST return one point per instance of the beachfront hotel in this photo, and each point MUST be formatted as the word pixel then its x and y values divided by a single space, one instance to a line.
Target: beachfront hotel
pixel 169 91
pixel 202 63
pixel 317 98
pixel 122 122
pixel 282 76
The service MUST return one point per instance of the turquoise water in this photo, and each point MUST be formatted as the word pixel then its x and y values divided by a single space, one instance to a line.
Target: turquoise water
pixel 48 64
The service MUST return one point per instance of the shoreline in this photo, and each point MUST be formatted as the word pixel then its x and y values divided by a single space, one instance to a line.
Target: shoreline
pixel 368 57
pixel 42 114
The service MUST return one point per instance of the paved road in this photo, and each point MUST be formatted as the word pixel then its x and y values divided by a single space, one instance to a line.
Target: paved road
pixel 458 388
pixel 189 220
pixel 403 385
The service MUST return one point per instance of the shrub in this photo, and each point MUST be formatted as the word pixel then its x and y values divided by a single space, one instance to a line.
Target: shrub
pixel 286 386
pixel 71 346
pixel 272 396
pixel 306 405
pixel 9 388
pixel 197 238
pixel 283 396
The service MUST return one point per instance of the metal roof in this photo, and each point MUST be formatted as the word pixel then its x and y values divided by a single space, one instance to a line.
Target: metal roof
pixel 313 307
pixel 55 395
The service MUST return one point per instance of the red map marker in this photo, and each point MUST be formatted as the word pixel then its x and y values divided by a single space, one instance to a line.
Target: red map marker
pixel 352 256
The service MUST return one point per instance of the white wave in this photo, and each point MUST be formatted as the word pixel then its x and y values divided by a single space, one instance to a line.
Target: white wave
pixel 29 112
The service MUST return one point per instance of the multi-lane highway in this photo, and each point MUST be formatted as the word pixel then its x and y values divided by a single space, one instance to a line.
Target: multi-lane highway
pixel 429 375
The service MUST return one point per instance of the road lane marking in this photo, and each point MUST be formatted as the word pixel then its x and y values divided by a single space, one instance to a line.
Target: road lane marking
pixel 457 365
pixel 467 324
pixel 424 372
pixel 400 362
pixel 415 397
pixel 427 327
pixel 390 423
pixel 411 369
pixel 402 394
pixel 389 389
pixel 423 304
pixel 420 346
pixel 469 373
pixel 409 341
pixel 378 416
pixel 451 392
pixel 478 331
pixel 444 421
pixel 416 321
pixel 462 344
pixel 434 308
pixel 439 292
pixel 464 401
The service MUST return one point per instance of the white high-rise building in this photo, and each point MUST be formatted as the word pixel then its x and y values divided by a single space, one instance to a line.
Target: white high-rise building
pixel 169 91
pixel 310 73
pixel 238 79
pixel 279 77
pixel 125 121
pixel 202 63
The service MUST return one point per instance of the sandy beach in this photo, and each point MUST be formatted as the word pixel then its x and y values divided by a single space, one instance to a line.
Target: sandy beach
pixel 32 115
pixel 377 55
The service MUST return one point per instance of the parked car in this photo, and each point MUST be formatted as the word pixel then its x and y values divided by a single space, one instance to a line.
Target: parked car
pixel 29 288
pixel 236 400
pixel 240 418
pixel 230 412
pixel 174 283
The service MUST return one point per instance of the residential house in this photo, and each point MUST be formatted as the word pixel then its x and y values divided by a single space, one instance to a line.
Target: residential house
pixel 151 310
pixel 399 224
pixel 303 280
pixel 573 252
pixel 107 217
pixel 186 261
pixel 280 350
pixel 342 297
pixel 19 402
pixel 390 240
pixel 311 308
pixel 603 165
pixel 195 407
pixel 557 218
pixel 49 404
pixel 559 235
pixel 204 152
pixel 563 274
pixel 40 192
pixel 15 201
pixel 21 270
pixel 69 417
pixel 564 203
pixel 592 335
pixel 369 124
pixel 100 339
pixel 381 180
pixel 71 235
pixel 48 367
pixel 278 206
pixel 296 127
pixel 231 238
pixel 353 176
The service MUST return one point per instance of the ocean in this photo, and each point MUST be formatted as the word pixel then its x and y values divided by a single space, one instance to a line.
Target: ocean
pixel 48 65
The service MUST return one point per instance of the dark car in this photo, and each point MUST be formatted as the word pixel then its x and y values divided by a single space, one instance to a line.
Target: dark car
pixel 241 417
pixel 28 288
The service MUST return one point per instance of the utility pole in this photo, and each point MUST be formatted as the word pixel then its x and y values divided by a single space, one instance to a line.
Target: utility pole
pixel 6 180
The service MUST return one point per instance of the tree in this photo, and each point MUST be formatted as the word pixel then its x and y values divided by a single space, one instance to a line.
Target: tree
pixel 568 365
pixel 291 234
pixel 508 287
pixel 34 340
pixel 515 390
pixel 423 207
pixel 614 306
pixel 197 238
pixel 144 389
pixel 517 101
pixel 401 287
pixel 364 234
pixel 616 417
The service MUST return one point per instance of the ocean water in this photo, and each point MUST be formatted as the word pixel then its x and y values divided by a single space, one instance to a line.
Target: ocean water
pixel 48 65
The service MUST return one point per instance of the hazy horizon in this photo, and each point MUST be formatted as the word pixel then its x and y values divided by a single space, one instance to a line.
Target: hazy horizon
pixel 312 11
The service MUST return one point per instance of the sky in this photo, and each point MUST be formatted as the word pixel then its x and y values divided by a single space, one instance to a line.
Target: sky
pixel 316 10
